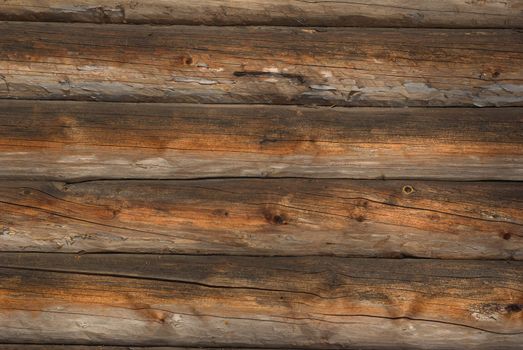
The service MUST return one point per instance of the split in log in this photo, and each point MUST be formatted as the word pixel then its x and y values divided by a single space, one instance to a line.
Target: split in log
pixel 268 65
pixel 343 13
pixel 54 140
pixel 460 220
pixel 263 302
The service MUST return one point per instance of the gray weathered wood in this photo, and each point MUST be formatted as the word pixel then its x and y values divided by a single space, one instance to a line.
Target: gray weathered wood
pixel 369 13
pixel 262 302
pixel 72 140
pixel 269 65
pixel 266 217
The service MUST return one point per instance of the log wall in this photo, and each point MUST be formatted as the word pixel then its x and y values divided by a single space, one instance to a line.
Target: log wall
pixel 261 174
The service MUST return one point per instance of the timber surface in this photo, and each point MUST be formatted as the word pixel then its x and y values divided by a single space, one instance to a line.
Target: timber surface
pixel 342 13
pixel 268 65
pixel 460 220
pixel 271 302
pixel 82 140
pixel 168 185
pixel 101 347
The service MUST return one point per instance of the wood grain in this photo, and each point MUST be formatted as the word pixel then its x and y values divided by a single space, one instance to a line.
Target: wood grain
pixel 86 140
pixel 369 13
pixel 266 217
pixel 269 65
pixel 263 302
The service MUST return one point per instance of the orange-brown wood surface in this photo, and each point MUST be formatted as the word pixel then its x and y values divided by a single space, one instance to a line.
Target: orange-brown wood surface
pixel 261 174
pixel 270 302
pixel 86 140
pixel 270 65
pixel 374 13
pixel 457 220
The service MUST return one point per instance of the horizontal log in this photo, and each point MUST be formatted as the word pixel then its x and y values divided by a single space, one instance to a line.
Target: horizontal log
pixel 369 13
pixel 266 217
pixel 85 140
pixel 103 347
pixel 262 302
pixel 269 65
pixel 33 346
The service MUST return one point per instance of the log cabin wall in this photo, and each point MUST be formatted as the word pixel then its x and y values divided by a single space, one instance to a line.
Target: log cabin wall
pixel 261 174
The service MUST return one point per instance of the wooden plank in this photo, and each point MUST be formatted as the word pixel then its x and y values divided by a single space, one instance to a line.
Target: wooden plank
pixel 266 217
pixel 73 140
pixel 269 65
pixel 343 13
pixel 263 302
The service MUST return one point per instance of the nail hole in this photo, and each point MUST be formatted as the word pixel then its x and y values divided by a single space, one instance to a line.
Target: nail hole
pixel 188 60
pixel 506 236
pixel 496 74
pixel 408 189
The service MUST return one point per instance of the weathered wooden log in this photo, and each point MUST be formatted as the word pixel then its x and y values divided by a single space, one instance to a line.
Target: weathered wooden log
pixel 263 302
pixel 103 347
pixel 83 140
pixel 373 13
pixel 270 65
pixel 266 217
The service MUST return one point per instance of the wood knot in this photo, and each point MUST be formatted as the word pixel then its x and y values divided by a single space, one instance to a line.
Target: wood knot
pixel 514 307
pixel 220 212
pixel 408 189
pixel 276 219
